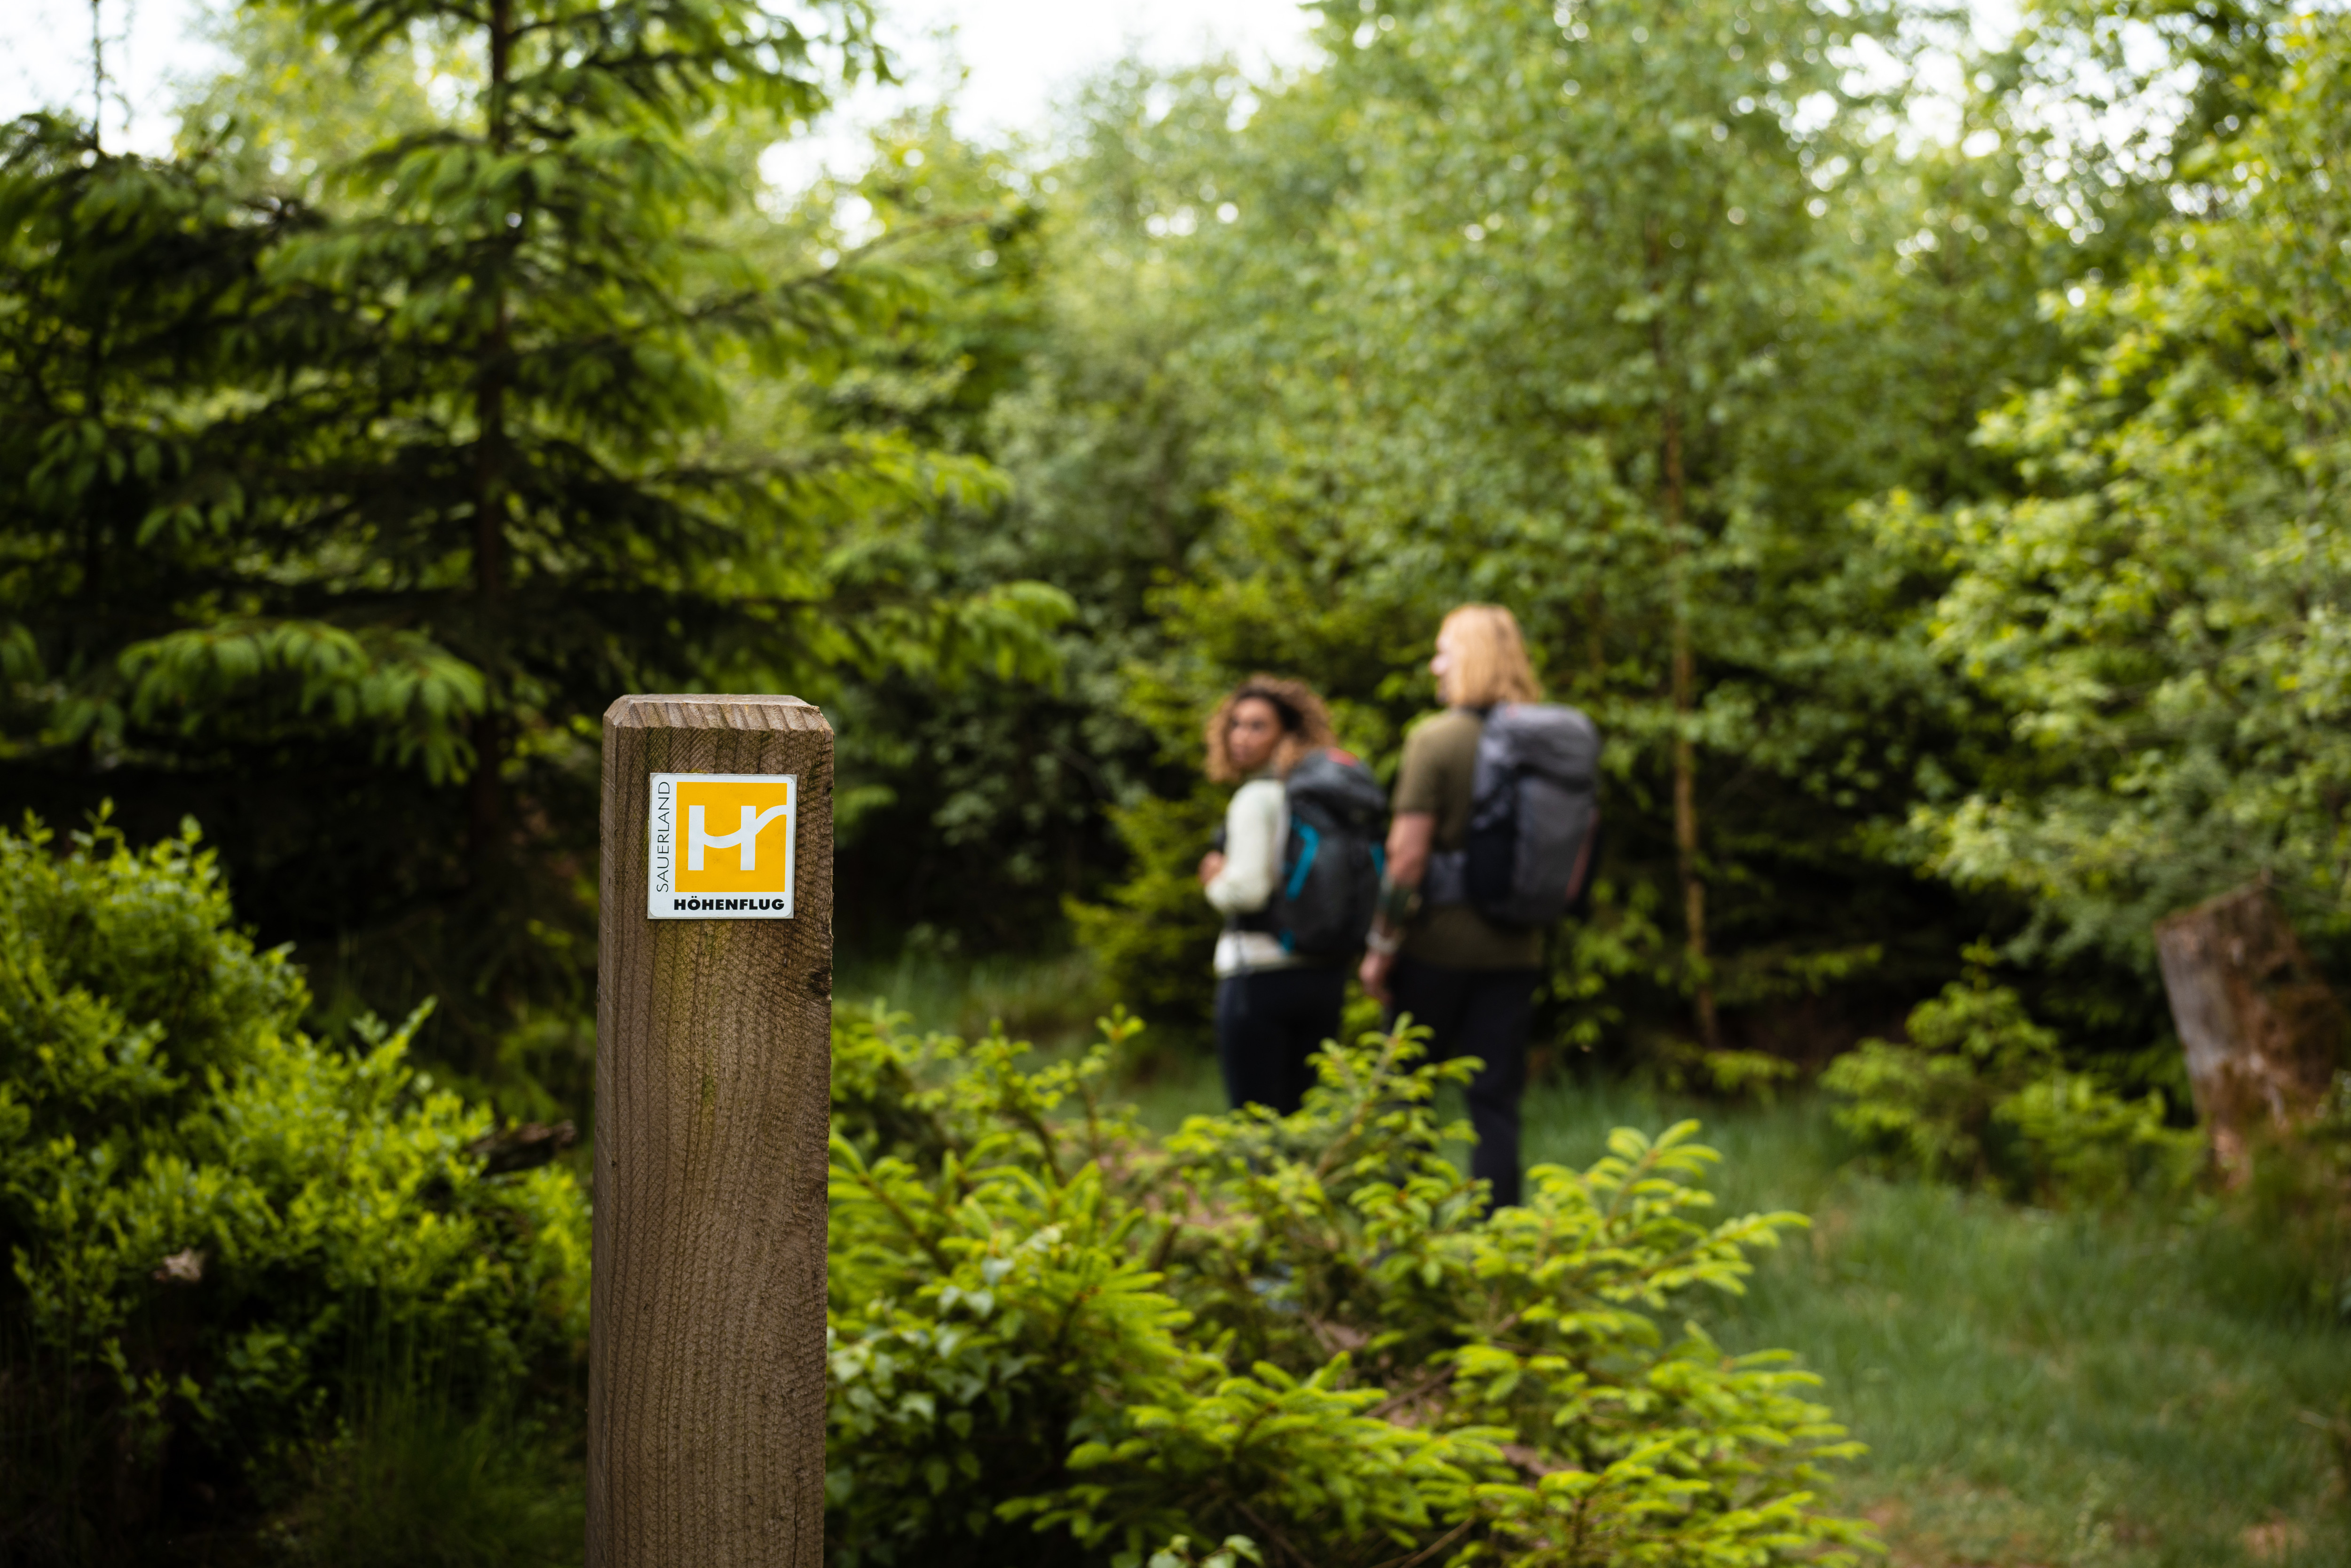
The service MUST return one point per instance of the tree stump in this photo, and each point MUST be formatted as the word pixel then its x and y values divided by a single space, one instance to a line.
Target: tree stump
pixel 2262 1030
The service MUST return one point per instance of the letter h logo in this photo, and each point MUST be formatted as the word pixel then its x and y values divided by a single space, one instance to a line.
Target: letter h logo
pixel 745 840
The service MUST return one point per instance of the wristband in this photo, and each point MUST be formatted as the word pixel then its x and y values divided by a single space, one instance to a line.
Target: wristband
pixel 1383 943
pixel 1398 904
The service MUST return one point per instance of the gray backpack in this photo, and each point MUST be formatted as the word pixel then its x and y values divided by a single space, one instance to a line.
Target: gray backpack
pixel 1534 807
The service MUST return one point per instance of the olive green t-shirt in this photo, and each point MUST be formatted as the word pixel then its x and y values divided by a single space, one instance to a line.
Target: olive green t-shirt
pixel 1440 763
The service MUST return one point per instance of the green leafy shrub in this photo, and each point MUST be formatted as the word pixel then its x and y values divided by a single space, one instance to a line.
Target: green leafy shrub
pixel 2277 1236
pixel 1683 1067
pixel 1155 938
pixel 1056 1341
pixel 1982 1095
pixel 211 1219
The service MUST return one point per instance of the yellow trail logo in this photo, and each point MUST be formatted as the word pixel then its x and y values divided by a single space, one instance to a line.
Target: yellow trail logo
pixel 721 846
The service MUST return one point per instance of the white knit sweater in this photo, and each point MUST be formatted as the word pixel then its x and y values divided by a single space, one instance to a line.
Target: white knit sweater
pixel 1255 824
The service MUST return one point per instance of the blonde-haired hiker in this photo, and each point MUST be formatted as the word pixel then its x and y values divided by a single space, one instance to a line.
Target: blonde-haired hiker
pixel 1295 875
pixel 1496 811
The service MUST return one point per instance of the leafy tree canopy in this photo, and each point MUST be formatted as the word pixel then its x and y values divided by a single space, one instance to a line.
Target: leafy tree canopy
pixel 2161 607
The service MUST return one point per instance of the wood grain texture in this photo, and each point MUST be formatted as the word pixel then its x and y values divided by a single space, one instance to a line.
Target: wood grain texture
pixel 706 1376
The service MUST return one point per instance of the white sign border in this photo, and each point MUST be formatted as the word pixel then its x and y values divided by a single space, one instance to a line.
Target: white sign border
pixel 655 802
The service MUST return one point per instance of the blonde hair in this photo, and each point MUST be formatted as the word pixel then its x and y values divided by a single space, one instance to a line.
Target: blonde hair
pixel 1305 724
pixel 1488 660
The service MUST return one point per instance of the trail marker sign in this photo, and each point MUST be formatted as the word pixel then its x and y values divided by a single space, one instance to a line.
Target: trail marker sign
pixel 705 1337
pixel 720 846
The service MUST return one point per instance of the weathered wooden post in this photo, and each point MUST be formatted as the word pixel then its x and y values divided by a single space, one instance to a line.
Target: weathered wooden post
pixel 2263 1032
pixel 705 1359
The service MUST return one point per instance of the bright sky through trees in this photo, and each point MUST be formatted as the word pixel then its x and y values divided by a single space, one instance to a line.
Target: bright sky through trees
pixel 1018 52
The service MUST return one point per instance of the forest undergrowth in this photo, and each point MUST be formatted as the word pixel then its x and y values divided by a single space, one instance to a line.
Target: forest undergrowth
pixel 2126 1389
pixel 2140 1386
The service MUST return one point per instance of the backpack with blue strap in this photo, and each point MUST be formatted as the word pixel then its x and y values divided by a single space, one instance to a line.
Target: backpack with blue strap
pixel 1331 859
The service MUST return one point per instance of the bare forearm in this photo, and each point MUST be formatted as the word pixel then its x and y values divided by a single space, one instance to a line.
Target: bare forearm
pixel 1409 838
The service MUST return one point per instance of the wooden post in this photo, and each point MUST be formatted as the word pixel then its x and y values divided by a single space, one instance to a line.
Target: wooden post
pixel 2262 1030
pixel 705 1358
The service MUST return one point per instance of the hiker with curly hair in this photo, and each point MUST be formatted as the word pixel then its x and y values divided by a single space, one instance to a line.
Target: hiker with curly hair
pixel 1275 1006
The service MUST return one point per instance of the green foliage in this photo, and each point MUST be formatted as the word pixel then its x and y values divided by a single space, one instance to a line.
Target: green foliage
pixel 342 500
pixel 1981 1093
pixel 1444 315
pixel 1055 1339
pixel 1022 349
pixel 1729 1074
pixel 1575 311
pixel 415 1476
pixel 2160 609
pixel 2285 1248
pixel 1155 937
pixel 354 456
pixel 209 1215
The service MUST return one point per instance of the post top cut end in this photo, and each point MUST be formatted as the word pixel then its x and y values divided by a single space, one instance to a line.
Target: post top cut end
pixel 713 710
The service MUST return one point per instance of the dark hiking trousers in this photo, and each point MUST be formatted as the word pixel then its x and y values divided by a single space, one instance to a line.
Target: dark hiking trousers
pixel 1268 1021
pixel 1484 1013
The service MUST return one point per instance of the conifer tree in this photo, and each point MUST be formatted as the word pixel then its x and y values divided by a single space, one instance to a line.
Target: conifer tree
pixel 455 463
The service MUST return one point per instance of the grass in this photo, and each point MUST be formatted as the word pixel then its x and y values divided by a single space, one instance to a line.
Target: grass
pixel 418 1483
pixel 1051 1003
pixel 2087 1390
pixel 2035 1389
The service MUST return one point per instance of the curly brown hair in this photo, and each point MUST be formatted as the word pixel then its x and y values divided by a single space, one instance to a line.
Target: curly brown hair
pixel 1305 724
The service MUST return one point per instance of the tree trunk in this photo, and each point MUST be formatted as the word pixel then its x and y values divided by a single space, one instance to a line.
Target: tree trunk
pixel 486 798
pixel 1685 698
pixel 1709 1026
pixel 97 76
pixel 1676 507
pixel 2262 1030
pixel 1596 642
